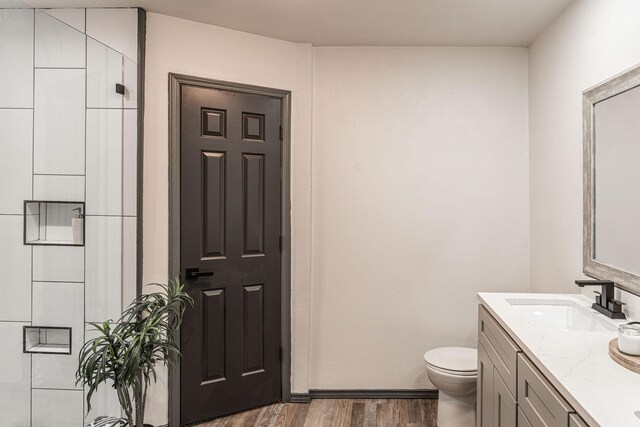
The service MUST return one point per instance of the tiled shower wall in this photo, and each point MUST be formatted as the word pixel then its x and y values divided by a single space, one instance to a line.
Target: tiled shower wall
pixel 65 135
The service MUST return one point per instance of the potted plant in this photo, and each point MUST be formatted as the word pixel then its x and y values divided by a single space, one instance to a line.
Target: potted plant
pixel 126 352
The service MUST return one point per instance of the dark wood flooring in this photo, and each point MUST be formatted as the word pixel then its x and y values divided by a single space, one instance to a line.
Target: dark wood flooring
pixel 337 413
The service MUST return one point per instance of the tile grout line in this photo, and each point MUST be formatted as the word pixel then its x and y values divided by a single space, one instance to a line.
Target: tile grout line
pixel 33 151
pixel 84 236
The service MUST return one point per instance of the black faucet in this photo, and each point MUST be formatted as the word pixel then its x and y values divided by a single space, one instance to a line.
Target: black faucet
pixel 605 302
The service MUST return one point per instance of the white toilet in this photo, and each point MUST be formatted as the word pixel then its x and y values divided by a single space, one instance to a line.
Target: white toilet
pixel 454 371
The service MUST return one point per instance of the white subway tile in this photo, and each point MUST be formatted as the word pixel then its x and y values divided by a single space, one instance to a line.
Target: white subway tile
pixel 72 17
pixel 16 42
pixel 103 268
pixel 130 163
pixel 15 377
pixel 104 162
pixel 58 304
pixel 57 408
pixel 15 161
pixel 104 70
pixel 116 28
pixel 57 44
pixel 129 260
pixel 130 83
pixel 58 263
pixel 15 265
pixel 58 188
pixel 59 121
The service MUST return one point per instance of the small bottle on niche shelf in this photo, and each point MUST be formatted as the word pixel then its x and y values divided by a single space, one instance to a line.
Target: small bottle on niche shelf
pixel 77 227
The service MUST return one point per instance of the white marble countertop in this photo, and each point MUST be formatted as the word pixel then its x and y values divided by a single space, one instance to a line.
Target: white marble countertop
pixel 577 363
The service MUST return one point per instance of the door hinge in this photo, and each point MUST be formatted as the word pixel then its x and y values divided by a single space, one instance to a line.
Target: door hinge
pixel 281 132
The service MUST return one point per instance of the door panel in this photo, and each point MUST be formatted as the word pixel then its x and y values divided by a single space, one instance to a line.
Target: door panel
pixel 213 204
pixel 253 206
pixel 253 329
pixel 213 329
pixel 230 230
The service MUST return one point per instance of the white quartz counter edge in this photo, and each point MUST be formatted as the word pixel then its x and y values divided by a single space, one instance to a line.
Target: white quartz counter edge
pixel 577 363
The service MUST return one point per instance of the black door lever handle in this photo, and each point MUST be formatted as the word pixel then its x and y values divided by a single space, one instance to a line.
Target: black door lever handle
pixel 194 273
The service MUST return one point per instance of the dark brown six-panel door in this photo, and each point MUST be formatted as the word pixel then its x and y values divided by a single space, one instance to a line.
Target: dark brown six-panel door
pixel 230 216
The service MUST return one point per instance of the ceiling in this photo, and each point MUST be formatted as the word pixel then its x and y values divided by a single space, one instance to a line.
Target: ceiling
pixel 358 22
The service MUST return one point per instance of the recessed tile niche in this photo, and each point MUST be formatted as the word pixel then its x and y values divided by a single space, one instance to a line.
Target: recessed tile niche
pixel 54 223
pixel 48 340
pixel 70 148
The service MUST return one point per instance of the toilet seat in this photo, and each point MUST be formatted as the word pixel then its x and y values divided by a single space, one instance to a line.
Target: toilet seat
pixel 454 373
pixel 461 361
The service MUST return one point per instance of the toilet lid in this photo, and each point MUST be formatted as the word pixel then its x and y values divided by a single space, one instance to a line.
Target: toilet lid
pixel 457 359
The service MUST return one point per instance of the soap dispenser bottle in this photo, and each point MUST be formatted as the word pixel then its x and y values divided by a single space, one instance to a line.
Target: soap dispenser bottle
pixel 77 227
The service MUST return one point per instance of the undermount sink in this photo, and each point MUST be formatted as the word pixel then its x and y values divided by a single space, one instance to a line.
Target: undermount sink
pixel 561 315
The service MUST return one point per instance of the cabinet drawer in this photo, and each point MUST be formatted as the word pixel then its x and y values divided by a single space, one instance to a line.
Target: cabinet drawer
pixel 505 410
pixel 502 350
pixel 540 402
pixel 576 421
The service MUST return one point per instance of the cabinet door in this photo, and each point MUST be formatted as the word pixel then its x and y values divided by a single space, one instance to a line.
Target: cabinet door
pixel 539 401
pixel 484 417
pixel 522 420
pixel 504 405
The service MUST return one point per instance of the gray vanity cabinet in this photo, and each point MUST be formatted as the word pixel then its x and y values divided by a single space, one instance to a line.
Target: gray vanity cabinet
pixel 511 390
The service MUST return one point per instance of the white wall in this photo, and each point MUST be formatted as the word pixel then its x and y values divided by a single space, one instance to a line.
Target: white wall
pixel 179 46
pixel 590 42
pixel 420 192
pixel 420 200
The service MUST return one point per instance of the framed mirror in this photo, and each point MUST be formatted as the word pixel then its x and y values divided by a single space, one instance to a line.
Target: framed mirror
pixel 611 223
